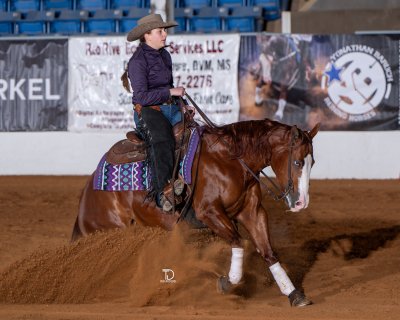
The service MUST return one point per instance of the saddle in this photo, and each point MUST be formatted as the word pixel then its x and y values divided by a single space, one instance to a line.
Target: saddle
pixel 133 149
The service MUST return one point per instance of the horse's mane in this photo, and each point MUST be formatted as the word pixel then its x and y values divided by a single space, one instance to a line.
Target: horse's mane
pixel 247 137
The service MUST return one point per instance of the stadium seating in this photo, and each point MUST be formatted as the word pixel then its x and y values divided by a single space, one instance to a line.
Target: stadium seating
pixel 91 4
pixel 102 21
pixel 126 4
pixel 7 20
pixel 182 17
pixel 130 18
pixel 34 22
pixel 231 3
pixel 57 4
pixel 3 6
pixel 199 16
pixel 271 8
pixel 208 19
pixel 68 22
pixel 244 19
pixel 25 5
pixel 196 4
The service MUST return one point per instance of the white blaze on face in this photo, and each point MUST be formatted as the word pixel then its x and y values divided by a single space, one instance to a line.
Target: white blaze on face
pixel 304 182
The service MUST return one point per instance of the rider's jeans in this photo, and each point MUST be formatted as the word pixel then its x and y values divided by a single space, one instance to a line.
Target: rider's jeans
pixel 171 111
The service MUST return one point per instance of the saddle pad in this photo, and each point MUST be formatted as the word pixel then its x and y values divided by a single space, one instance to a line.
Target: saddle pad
pixel 136 176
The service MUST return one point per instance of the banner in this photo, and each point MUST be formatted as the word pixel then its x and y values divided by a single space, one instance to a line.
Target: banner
pixel 205 65
pixel 97 100
pixel 345 82
pixel 33 85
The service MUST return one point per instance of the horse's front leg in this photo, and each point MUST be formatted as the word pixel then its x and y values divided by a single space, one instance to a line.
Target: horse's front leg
pixel 254 219
pixel 282 101
pixel 216 219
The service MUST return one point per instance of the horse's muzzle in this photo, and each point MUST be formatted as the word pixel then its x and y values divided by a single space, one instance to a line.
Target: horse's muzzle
pixel 296 202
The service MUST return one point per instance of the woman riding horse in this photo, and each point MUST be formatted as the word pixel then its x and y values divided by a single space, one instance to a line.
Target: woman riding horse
pixel 226 184
pixel 156 110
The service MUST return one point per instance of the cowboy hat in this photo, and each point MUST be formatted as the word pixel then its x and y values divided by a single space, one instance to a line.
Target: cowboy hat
pixel 147 23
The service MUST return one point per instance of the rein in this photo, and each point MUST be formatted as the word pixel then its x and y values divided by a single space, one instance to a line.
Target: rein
pixel 275 195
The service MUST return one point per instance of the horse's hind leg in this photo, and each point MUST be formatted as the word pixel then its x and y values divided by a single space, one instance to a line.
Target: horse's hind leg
pixel 76 232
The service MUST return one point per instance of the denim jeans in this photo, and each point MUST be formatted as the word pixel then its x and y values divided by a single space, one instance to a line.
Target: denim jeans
pixel 171 112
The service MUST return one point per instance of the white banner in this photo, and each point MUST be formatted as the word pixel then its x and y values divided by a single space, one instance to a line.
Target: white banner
pixel 97 100
pixel 206 65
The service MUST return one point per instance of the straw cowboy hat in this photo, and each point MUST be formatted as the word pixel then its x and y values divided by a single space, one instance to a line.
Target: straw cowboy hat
pixel 147 23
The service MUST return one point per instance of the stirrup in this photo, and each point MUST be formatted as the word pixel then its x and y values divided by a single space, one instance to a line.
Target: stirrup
pixel 179 185
pixel 165 204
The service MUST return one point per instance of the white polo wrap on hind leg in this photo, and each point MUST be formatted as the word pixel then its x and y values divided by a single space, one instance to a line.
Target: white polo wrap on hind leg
pixel 282 279
pixel 236 271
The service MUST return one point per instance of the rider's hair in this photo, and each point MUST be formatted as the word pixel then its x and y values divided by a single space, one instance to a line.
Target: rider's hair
pixel 125 81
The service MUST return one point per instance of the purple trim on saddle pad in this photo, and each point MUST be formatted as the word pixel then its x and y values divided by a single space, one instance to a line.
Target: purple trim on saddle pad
pixel 187 162
pixel 121 177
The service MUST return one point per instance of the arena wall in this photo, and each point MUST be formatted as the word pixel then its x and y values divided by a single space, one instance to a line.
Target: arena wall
pixel 338 154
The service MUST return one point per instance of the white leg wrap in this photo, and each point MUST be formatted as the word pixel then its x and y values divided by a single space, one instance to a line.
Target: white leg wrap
pixel 282 279
pixel 281 105
pixel 236 271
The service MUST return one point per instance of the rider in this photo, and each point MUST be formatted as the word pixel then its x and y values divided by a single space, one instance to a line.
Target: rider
pixel 155 100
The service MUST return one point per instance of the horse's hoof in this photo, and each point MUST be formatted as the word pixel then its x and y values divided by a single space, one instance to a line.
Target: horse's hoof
pixel 298 299
pixel 224 285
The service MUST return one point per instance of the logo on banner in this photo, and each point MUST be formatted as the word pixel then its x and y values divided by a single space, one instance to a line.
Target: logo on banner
pixel 357 78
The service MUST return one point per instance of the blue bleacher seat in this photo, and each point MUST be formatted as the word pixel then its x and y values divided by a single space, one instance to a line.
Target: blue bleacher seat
pixel 3 6
pixel 271 8
pixel 57 4
pixel 34 22
pixel 25 5
pixel 68 22
pixel 91 4
pixel 126 4
pixel 130 18
pixel 208 19
pixel 182 17
pixel 231 3
pixel 102 21
pixel 244 19
pixel 7 22
pixel 195 4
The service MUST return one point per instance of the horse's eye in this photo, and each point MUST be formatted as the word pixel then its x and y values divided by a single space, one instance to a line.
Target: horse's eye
pixel 298 163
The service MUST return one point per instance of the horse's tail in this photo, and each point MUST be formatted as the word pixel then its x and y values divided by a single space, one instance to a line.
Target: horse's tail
pixel 125 81
pixel 76 232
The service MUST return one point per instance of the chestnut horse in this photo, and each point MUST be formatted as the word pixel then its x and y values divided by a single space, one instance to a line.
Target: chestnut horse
pixel 227 191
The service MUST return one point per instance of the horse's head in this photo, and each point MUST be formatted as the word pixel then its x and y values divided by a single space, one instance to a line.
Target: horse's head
pixel 292 161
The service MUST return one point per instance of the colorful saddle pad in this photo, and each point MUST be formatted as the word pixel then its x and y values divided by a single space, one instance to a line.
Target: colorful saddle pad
pixel 137 175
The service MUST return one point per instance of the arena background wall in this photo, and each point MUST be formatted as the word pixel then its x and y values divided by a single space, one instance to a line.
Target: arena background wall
pixel 73 144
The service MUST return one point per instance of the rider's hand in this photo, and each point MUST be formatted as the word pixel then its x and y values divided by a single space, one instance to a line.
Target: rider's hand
pixel 178 92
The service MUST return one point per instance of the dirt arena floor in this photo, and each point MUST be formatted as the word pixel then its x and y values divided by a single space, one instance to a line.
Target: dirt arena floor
pixel 344 251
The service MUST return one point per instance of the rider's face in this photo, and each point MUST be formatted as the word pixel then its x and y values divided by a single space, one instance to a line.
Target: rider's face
pixel 156 38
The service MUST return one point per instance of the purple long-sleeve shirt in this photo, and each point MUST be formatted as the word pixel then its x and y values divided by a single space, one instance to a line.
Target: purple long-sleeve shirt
pixel 150 74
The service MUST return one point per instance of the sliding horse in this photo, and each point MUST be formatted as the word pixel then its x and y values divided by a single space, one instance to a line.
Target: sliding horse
pixel 285 63
pixel 226 191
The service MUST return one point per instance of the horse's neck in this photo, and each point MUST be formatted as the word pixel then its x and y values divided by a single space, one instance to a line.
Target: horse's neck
pixel 252 141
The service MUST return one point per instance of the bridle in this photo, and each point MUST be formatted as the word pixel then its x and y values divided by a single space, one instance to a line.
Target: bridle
pixel 277 194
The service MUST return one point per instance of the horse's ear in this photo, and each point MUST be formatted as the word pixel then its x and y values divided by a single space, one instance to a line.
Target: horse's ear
pixel 295 133
pixel 314 130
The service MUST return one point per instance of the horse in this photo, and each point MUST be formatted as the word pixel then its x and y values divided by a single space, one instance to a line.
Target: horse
pixel 226 191
pixel 285 65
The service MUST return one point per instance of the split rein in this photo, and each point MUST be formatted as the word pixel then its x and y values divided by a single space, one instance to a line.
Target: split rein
pixel 277 194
